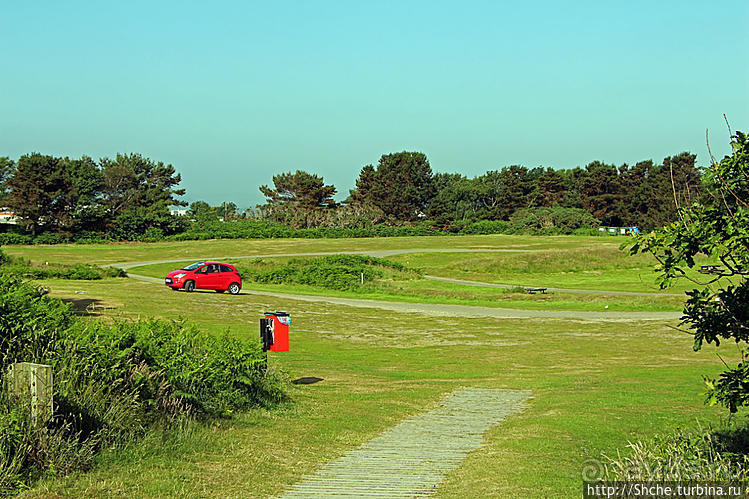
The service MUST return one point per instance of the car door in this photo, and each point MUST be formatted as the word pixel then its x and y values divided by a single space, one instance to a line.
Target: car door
pixel 213 276
pixel 226 276
pixel 206 277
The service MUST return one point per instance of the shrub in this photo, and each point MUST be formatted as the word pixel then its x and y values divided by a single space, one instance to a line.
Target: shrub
pixel 684 456
pixel 152 235
pixel 49 238
pixel 24 268
pixel 266 229
pixel 172 365
pixel 340 272
pixel 554 220
pixel 30 324
pixel 28 451
pixel 8 238
pixel 113 381
pixel 91 237
pixel 329 276
pixel 487 227
pixel 360 260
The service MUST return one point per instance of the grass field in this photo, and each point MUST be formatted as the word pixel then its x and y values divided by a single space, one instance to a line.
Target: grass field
pixel 419 290
pixel 596 385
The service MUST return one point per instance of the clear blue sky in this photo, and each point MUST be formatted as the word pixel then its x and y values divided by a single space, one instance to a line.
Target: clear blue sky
pixel 232 92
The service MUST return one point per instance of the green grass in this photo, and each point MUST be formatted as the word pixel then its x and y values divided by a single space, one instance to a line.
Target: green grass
pixel 409 287
pixel 588 266
pixel 197 250
pixel 596 385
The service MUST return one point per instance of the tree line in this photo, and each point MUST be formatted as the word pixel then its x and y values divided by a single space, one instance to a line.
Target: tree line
pixel 124 197
pixel 130 196
pixel 402 188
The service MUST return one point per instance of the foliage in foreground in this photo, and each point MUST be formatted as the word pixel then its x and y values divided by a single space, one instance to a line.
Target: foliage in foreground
pixel 717 226
pixel 113 382
pixel 683 456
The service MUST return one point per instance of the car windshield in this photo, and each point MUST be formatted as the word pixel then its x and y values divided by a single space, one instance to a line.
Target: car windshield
pixel 194 266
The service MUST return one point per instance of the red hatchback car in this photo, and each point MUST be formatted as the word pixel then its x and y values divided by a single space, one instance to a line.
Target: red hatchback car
pixel 206 275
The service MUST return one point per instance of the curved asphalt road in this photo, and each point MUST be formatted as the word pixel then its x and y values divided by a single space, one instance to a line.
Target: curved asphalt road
pixel 434 308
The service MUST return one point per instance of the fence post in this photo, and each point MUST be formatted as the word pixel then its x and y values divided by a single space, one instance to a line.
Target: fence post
pixel 34 382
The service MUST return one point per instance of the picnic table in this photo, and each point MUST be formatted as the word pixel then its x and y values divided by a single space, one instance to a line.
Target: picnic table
pixel 533 291
pixel 710 269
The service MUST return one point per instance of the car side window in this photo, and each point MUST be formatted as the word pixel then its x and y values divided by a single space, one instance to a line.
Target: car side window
pixel 224 268
pixel 211 269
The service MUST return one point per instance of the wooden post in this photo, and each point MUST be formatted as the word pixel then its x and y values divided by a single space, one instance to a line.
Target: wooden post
pixel 33 381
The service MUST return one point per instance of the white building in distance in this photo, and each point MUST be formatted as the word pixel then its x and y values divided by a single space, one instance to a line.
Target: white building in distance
pixel 7 217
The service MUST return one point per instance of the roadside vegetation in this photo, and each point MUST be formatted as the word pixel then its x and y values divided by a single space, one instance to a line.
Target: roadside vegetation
pixel 23 267
pixel 338 272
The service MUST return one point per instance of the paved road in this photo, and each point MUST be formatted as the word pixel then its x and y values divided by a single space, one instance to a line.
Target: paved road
pixel 423 308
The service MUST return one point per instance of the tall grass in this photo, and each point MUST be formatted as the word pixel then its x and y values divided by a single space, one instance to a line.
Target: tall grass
pixel 24 268
pixel 700 455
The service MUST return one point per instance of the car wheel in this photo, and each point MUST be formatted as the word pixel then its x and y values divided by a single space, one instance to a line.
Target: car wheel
pixel 234 288
pixel 190 286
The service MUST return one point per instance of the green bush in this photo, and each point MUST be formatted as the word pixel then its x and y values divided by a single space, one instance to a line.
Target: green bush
pixel 173 366
pixel 340 272
pixel 152 235
pixel 91 237
pixel 9 238
pixel 30 323
pixel 49 238
pixel 266 229
pixel 24 268
pixel 113 382
pixel 358 261
pixel 487 227
pixel 555 220
pixel 29 451
pixel 141 223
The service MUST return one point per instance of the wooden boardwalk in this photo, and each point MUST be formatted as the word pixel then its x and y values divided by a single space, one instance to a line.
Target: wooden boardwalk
pixel 413 458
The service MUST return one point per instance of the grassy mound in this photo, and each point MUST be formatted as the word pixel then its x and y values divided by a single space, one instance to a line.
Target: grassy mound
pixel 23 267
pixel 339 272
